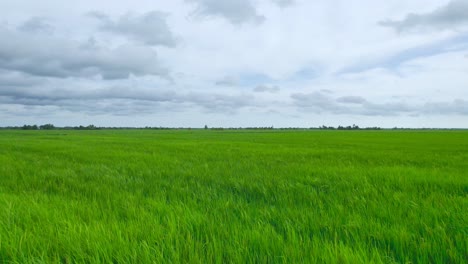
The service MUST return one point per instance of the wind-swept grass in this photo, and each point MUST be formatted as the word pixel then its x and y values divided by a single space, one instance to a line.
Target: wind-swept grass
pixel 143 196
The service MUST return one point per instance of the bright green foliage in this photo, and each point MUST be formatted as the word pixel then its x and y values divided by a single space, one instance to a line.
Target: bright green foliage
pixel 201 196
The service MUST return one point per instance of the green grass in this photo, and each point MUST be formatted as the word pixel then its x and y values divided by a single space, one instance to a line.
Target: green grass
pixel 143 196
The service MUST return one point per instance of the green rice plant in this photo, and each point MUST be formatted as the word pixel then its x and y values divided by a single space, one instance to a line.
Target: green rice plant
pixel 203 196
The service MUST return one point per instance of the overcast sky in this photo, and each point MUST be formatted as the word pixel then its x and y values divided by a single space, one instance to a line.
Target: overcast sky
pixel 234 63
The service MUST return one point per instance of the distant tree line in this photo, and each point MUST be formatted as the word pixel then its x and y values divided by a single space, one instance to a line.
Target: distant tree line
pixel 239 128
pixel 50 127
pixel 353 127
pixel 34 127
pixel 93 127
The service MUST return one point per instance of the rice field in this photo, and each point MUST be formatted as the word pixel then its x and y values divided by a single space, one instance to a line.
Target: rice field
pixel 203 196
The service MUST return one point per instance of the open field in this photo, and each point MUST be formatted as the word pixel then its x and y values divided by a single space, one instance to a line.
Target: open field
pixel 143 196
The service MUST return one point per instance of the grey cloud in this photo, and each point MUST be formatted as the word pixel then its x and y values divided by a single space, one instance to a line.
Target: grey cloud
pixel 235 11
pixel 12 80
pixel 60 58
pixel 228 81
pixel 266 88
pixel 351 100
pixel 115 107
pixel 457 106
pixel 386 109
pixel 219 102
pixel 36 25
pixel 18 110
pixel 318 102
pixel 49 91
pixel 454 14
pixel 326 91
pixel 150 28
pixel 117 100
pixel 284 3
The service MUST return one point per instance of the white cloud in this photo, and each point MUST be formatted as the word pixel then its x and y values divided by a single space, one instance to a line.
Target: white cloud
pixel 232 63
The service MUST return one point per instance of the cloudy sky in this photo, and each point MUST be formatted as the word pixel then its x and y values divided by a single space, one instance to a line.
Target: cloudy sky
pixel 234 63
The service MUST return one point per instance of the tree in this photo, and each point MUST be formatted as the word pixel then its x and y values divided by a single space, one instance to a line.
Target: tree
pixel 47 126
pixel 29 127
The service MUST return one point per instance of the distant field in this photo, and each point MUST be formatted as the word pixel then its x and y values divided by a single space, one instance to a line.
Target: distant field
pixel 142 196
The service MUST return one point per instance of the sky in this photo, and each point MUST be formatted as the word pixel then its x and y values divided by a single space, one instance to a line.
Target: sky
pixel 234 63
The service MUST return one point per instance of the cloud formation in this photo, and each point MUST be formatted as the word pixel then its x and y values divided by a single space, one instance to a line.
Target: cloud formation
pixel 351 100
pixel 51 56
pixel 317 102
pixel 450 16
pixel 117 98
pixel 284 3
pixel 236 12
pixel 457 106
pixel 241 62
pixel 149 28
pixel 394 61
pixel 266 88
pixel 36 25
pixel 227 81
